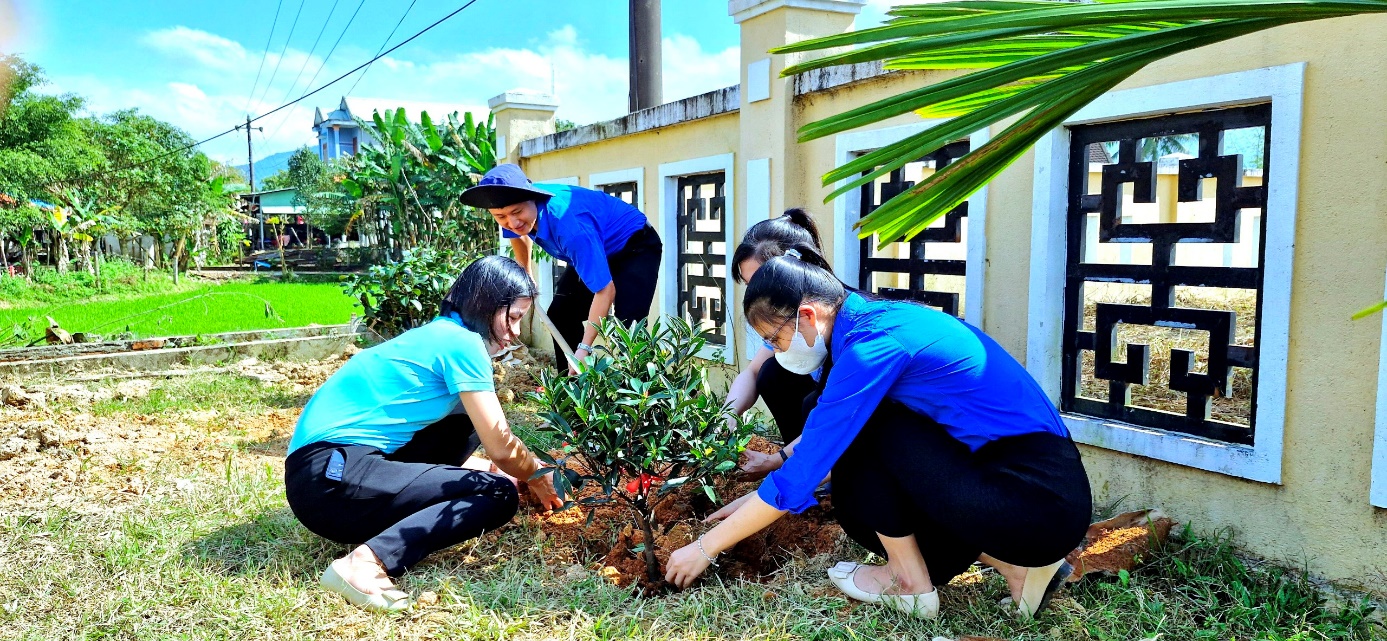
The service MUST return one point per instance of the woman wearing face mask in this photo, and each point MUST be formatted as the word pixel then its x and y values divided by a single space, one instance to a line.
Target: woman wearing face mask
pixel 613 254
pixel 944 451
pixel 785 392
pixel 381 452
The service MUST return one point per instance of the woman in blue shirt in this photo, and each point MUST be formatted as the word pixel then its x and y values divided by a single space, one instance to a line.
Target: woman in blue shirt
pixel 784 392
pixel 613 253
pixel 943 450
pixel 381 451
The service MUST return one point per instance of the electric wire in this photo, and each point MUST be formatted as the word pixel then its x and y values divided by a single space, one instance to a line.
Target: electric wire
pixel 382 46
pixel 322 66
pixel 289 91
pixel 266 54
pixel 296 100
pixel 265 94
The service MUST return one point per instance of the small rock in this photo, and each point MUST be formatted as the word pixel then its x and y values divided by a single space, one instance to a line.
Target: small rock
pixel 153 343
pixel 350 351
pixel 133 389
pixel 574 573
pixel 14 396
pixel 75 393
pixel 427 598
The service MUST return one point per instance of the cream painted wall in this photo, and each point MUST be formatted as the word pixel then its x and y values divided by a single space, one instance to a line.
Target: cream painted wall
pixel 1320 515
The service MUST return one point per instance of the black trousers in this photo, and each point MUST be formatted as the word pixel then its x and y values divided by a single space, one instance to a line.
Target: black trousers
pixel 405 505
pixel 635 270
pixel 1024 500
pixel 787 395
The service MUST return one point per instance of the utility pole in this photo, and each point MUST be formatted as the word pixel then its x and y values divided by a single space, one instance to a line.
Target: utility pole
pixel 250 168
pixel 645 54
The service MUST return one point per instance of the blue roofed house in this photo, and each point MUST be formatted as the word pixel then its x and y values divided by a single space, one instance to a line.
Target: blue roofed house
pixel 339 134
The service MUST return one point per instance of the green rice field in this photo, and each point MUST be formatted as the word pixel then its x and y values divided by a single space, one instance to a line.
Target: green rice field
pixel 204 309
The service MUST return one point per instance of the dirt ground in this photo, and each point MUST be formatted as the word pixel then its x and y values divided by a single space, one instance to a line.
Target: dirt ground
pixel 57 451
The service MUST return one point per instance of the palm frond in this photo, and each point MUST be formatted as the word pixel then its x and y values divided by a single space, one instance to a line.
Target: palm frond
pixel 1038 60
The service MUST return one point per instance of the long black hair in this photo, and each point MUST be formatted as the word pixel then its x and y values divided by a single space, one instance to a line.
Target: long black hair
pixel 770 238
pixel 784 283
pixel 489 284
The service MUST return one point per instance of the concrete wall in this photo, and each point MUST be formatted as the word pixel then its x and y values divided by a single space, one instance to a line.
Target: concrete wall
pixel 1319 513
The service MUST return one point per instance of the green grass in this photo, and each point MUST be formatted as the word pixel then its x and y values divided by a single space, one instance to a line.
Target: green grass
pixel 119 278
pixel 204 309
pixel 210 550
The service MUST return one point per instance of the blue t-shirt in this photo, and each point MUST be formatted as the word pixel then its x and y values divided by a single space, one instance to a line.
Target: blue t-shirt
pixel 929 361
pixel 583 227
pixel 385 394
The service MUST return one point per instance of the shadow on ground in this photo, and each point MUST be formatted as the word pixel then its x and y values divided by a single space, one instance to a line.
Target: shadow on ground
pixel 273 542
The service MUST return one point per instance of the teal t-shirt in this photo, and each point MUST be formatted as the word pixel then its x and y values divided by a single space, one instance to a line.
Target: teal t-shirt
pixel 385 394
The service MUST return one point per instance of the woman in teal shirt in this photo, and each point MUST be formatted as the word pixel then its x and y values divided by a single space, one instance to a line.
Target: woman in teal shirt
pixel 943 450
pixel 381 452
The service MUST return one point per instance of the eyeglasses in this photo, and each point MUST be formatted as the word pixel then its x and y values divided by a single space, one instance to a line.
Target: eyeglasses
pixel 767 342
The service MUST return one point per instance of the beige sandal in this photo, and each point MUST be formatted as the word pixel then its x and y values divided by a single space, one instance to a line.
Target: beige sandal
pixel 924 606
pixel 1040 586
pixel 387 601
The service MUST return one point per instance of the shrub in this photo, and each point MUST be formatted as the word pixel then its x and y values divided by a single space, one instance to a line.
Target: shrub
pixel 640 409
pixel 405 294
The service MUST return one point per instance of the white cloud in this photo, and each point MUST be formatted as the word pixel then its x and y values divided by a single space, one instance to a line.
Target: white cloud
pixel 214 74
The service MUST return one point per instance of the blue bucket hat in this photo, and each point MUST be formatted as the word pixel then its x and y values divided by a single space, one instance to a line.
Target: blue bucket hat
pixel 503 186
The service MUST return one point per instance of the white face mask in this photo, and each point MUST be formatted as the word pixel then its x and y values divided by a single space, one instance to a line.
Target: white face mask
pixel 801 358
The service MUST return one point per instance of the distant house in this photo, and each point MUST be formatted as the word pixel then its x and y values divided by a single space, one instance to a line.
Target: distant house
pixel 338 133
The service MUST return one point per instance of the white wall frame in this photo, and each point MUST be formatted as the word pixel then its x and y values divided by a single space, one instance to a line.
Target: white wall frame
pixel 632 175
pixel 544 269
pixel 1379 475
pixel 1284 87
pixel 668 293
pixel 847 209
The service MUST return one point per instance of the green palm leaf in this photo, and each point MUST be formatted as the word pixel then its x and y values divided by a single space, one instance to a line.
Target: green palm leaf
pixel 1038 60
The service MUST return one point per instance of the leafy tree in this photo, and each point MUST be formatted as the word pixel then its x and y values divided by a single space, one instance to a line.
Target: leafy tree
pixel 278 180
pixel 1036 62
pixel 404 294
pixel 640 409
pixel 564 125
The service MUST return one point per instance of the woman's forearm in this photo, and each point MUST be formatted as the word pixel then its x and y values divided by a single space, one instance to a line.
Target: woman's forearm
pixel 601 306
pixel 754 515
pixel 502 446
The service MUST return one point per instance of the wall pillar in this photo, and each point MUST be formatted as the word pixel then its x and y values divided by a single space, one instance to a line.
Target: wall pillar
pixel 767 152
pixel 521 115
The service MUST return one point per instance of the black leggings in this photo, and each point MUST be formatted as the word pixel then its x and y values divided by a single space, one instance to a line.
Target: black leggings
pixel 1023 500
pixel 787 395
pixel 635 270
pixel 404 505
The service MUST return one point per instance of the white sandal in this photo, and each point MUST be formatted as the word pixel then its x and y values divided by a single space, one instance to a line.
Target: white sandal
pixel 1040 585
pixel 387 601
pixel 924 606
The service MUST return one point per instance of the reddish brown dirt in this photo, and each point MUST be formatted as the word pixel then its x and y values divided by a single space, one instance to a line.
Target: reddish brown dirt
pixel 1120 543
pixel 609 538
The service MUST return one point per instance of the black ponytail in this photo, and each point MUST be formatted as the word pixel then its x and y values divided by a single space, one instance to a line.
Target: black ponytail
pixel 784 283
pixel 770 238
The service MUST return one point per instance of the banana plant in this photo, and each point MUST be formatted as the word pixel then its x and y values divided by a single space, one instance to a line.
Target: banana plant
pixel 413 175
pixel 1039 61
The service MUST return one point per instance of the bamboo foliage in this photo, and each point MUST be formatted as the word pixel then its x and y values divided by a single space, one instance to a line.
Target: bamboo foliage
pixel 1040 61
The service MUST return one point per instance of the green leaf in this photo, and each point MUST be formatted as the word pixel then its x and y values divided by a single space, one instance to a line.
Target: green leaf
pixel 1370 310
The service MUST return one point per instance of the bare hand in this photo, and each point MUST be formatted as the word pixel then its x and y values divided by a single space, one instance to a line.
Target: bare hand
pixel 545 495
pixel 685 565
pixel 578 357
pixel 759 464
pixel 728 509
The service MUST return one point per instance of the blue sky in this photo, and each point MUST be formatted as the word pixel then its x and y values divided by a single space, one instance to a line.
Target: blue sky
pixel 194 63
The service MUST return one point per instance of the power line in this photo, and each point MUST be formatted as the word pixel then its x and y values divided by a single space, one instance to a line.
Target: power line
pixel 300 98
pixel 382 46
pixel 290 90
pixel 324 64
pixel 283 51
pixel 256 85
